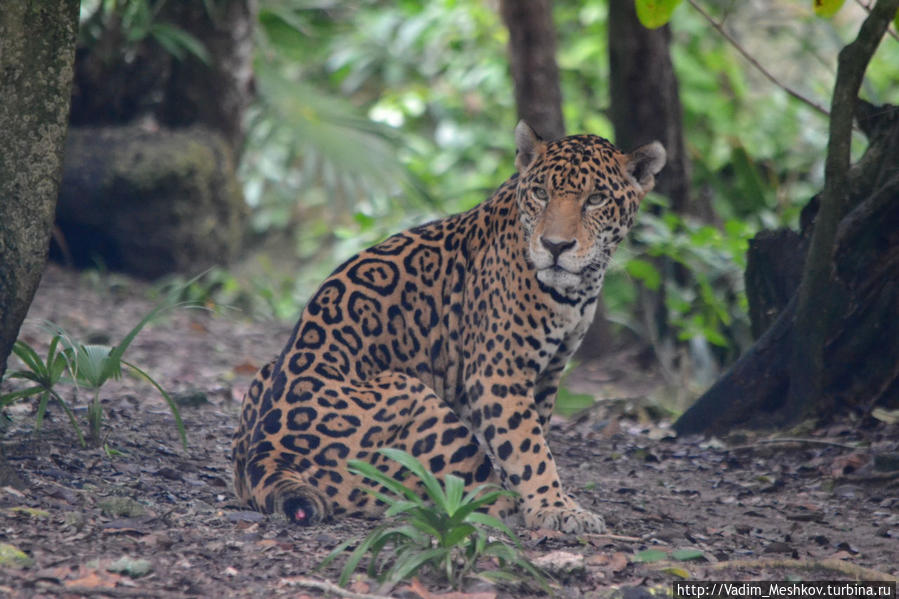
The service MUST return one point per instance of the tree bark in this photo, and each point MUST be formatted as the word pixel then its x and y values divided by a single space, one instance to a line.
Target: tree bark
pixel 645 97
pixel 645 107
pixel 538 96
pixel 860 357
pixel 216 94
pixel 37 49
pixel 821 299
pixel 532 58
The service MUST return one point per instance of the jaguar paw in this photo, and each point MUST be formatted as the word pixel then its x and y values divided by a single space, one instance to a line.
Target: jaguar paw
pixel 571 520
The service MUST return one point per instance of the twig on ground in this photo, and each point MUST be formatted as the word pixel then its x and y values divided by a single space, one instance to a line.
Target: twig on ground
pixel 791 441
pixel 329 587
pixel 56 589
pixel 874 477
pixel 733 42
pixel 849 569
pixel 615 538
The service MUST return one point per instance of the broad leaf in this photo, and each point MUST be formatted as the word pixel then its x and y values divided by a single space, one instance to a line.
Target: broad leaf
pixel 368 471
pixel 432 485
pixel 650 555
pixel 827 8
pixel 655 13
pixel 684 555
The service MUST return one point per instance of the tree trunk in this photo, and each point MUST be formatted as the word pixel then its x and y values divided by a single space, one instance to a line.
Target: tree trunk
pixel 645 107
pixel 860 357
pixel 37 49
pixel 532 58
pixel 822 298
pixel 118 80
pixel 216 94
pixel 645 98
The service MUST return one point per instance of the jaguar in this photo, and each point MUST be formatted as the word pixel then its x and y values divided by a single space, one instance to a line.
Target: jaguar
pixel 448 341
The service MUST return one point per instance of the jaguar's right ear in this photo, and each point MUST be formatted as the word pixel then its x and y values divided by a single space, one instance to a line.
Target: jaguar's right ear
pixel 528 146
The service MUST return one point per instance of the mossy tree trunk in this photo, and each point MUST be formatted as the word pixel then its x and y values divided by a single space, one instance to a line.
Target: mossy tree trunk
pixel 37 48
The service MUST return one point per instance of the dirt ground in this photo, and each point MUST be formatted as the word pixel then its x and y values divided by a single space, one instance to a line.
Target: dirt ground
pixel 145 518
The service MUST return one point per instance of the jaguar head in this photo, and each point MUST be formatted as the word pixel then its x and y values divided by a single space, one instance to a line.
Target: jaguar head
pixel 577 199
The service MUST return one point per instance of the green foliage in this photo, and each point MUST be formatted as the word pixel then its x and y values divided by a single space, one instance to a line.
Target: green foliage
pixel 136 21
pixel 705 297
pixel 655 13
pixel 263 294
pixel 45 374
pixel 827 8
pixel 568 402
pixel 649 556
pixel 448 536
pixel 421 93
pixel 92 366
pixel 88 366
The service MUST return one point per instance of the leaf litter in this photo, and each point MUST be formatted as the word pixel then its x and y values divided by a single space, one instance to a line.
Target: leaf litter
pixel 140 516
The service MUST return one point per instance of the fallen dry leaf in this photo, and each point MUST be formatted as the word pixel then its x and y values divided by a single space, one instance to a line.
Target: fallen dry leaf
pixel 618 562
pixel 94 580
pixel 246 368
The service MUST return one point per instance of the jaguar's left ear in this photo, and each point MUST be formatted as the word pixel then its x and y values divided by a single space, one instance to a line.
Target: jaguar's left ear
pixel 529 146
pixel 644 163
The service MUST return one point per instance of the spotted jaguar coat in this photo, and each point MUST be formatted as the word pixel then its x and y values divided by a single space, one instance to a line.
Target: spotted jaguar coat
pixel 448 341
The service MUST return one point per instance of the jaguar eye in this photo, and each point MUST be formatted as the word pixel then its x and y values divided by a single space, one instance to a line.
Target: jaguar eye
pixel 540 194
pixel 596 200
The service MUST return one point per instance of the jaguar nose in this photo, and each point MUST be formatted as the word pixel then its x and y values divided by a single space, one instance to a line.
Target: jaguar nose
pixel 556 246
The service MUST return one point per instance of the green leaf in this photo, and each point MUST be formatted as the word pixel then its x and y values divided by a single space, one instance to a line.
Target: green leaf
pixel 827 8
pixel 645 272
pixel 368 471
pixel 454 487
pixel 457 535
pixel 432 485
pixel 13 557
pixel 27 354
pixel 356 556
pixel 685 555
pixel 655 13
pixel 470 505
pixel 411 564
pixel 8 398
pixel 94 365
pixel 491 522
pixel 177 41
pixel 650 555
pixel 568 403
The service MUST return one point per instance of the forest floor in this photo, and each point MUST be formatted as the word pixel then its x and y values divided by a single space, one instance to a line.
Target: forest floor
pixel 143 517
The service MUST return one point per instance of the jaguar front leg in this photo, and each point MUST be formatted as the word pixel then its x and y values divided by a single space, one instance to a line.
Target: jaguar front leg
pixel 508 424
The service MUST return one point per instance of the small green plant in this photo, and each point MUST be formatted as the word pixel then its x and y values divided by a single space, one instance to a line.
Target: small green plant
pixel 88 366
pixel 450 537
pixel 45 374
pixel 91 366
